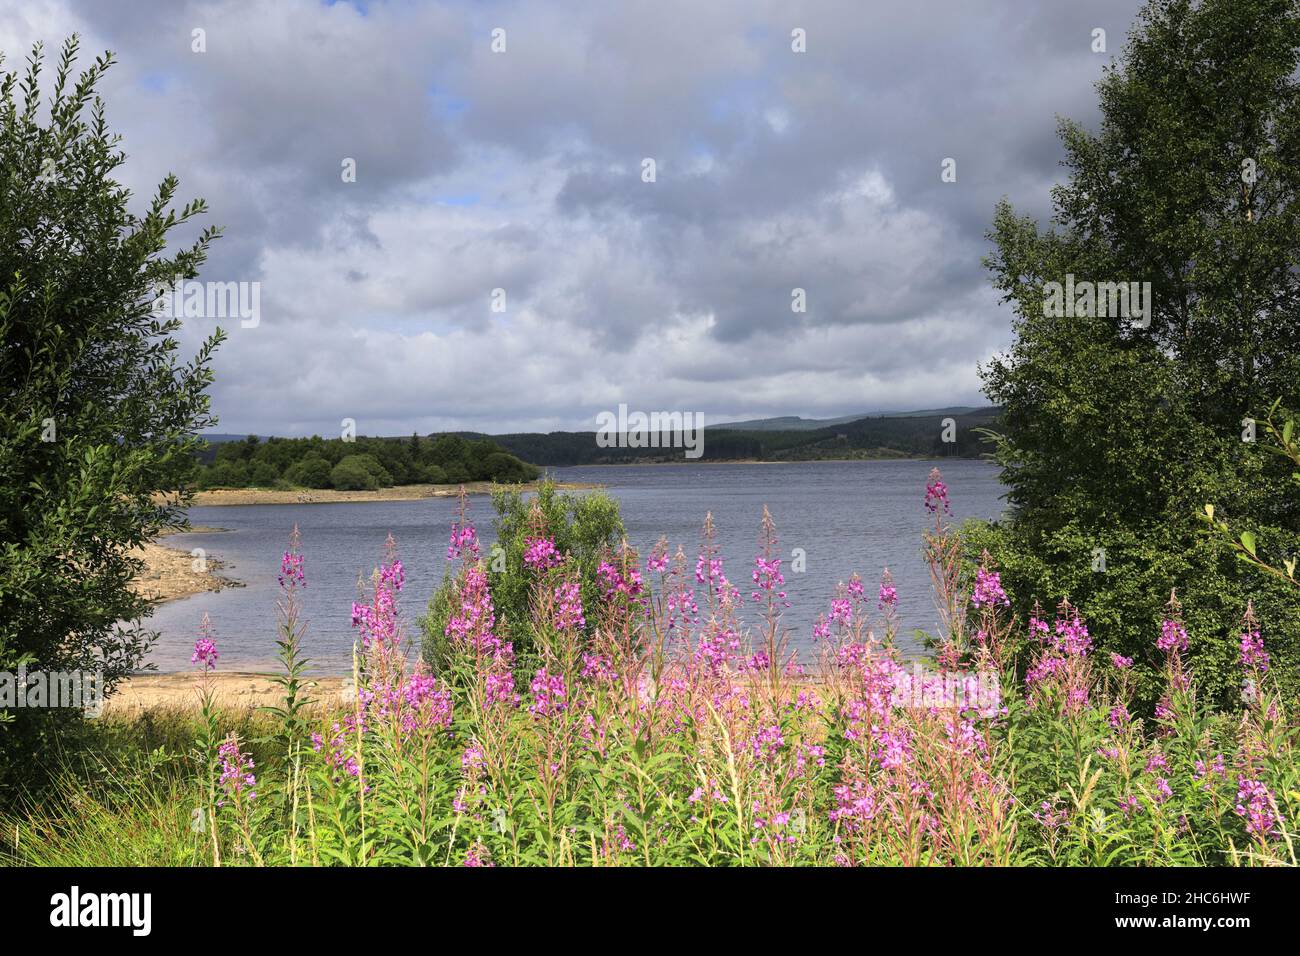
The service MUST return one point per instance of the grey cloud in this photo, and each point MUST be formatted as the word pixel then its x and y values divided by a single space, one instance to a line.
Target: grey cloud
pixel 521 170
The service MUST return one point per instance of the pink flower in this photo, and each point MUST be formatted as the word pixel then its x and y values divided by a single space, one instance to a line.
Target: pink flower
pixel 936 494
pixel 377 621
pixel 236 771
pixel 596 667
pixel 842 612
pixel 550 696
pixel 540 554
pixel 205 652
pixel 291 571
pixel 767 743
pixel 767 576
pixel 988 589
pixel 463 539
pixel 205 648
pixel 1173 637
pixel 1253 655
pixel 1255 804
pixel 1072 636
pixel 1119 716
pixel 616 582
pixel 568 608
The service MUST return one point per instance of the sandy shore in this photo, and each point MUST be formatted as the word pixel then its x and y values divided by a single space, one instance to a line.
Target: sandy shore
pixel 171 573
pixel 233 690
pixel 264 496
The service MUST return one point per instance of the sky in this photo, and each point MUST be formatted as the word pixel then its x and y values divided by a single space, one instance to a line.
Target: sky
pixel 500 262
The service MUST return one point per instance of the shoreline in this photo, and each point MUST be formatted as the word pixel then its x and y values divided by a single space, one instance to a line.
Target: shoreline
pixel 229 497
pixel 169 574
pixel 232 691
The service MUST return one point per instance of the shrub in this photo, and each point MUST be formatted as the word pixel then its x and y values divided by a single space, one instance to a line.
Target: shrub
pixel 359 473
pixel 585 527
pixel 98 412
pixel 311 472
pixel 505 468
pixel 262 475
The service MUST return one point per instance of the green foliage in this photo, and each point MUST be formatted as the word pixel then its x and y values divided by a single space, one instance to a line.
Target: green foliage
pixel 585 526
pixel 1114 436
pixel 359 472
pixel 311 472
pixel 866 438
pixel 308 462
pixel 98 413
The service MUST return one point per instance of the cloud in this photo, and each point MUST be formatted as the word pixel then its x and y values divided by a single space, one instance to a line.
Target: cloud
pixel 522 171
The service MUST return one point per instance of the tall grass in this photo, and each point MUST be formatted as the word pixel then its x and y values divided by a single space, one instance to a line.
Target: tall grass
pixel 685 731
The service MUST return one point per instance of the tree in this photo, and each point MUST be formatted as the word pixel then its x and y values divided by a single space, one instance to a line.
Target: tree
pixel 1117 429
pixel 97 414
pixel 262 475
pixel 356 473
pixel 311 472
pixel 505 468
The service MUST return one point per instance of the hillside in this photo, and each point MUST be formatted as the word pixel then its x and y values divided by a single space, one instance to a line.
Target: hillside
pixel 795 423
pixel 885 436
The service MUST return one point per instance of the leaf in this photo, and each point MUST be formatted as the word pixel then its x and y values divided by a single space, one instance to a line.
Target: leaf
pixel 1209 512
pixel 1248 542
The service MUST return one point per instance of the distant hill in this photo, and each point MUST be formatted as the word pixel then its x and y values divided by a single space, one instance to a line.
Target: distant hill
pixel 917 434
pixel 889 435
pixel 795 423
pixel 218 438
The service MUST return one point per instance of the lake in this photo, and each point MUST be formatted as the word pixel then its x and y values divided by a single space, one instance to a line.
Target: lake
pixel 847 516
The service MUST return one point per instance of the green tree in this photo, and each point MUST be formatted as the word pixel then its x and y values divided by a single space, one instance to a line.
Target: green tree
pixel 97 414
pixel 584 526
pixel 505 468
pixel 359 472
pixel 311 472
pixel 1117 429
pixel 262 475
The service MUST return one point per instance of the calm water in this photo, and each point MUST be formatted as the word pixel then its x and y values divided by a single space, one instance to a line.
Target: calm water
pixel 846 516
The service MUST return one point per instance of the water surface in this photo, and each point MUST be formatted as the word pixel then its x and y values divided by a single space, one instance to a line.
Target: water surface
pixel 846 516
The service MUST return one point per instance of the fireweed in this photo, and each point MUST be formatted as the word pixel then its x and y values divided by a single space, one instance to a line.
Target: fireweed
pixel 679 733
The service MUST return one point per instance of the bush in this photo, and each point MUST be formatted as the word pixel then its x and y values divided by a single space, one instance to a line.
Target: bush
pixel 355 473
pixel 99 412
pixel 312 472
pixel 583 526
pixel 262 475
pixel 505 468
